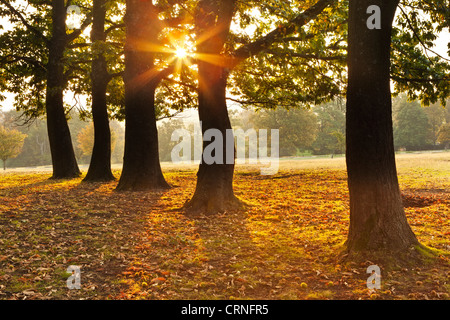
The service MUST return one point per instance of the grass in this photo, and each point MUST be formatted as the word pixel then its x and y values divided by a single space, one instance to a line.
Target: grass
pixel 285 245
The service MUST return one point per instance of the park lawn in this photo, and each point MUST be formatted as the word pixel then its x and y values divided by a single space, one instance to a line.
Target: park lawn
pixel 286 244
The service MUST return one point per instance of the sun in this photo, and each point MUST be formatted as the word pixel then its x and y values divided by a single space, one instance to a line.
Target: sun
pixel 181 53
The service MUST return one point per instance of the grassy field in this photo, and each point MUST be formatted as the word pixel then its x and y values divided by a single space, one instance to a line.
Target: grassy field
pixel 287 244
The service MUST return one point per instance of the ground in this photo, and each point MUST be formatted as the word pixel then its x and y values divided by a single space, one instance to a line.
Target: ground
pixel 287 244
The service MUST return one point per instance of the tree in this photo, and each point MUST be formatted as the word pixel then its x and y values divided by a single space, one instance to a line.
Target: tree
pixel 165 131
pixel 411 127
pixel 43 32
pixel 331 134
pixel 100 164
pixel 297 128
pixel 214 189
pixel 141 165
pixel 35 150
pixel 444 135
pixel 86 140
pixel 11 143
pixel 61 148
pixel 416 68
pixel 377 217
pixel 437 116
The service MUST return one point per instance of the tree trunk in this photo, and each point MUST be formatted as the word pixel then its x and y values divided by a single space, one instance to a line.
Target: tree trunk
pixel 100 165
pixel 377 217
pixel 61 148
pixel 141 166
pixel 214 190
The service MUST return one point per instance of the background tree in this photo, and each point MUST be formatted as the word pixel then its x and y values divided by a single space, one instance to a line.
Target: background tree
pixel 86 138
pixel 118 131
pixel 36 149
pixel 331 128
pixel 165 131
pixel 437 116
pixel 444 135
pixel 412 129
pixel 297 128
pixel 100 164
pixel 11 143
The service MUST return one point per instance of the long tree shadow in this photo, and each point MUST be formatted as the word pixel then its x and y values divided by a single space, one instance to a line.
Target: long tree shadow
pixel 268 251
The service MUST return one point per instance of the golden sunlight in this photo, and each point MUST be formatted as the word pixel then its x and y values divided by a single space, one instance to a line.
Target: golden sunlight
pixel 181 53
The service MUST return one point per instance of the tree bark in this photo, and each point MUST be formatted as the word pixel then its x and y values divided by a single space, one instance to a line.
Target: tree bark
pixel 141 166
pixel 214 190
pixel 377 217
pixel 63 156
pixel 100 165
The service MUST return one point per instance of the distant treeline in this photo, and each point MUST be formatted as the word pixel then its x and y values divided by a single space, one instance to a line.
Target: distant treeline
pixel 36 148
pixel 319 130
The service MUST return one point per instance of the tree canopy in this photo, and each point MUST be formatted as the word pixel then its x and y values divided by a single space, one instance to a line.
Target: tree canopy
pixel 11 143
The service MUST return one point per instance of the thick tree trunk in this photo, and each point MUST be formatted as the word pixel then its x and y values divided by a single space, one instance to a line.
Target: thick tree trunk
pixel 63 156
pixel 377 217
pixel 100 165
pixel 214 190
pixel 141 166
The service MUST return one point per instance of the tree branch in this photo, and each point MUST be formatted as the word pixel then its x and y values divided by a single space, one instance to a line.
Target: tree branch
pixel 28 60
pixel 114 26
pixel 115 74
pixel 419 39
pixel 306 55
pixel 193 88
pixel 399 78
pixel 280 32
pixel 169 116
pixel 24 21
pixel 75 34
pixel 78 45
pixel 263 102
pixel 173 22
pixel 163 74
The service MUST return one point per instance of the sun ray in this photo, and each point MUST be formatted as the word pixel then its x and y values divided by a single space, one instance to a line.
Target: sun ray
pixel 215 59
pixel 146 77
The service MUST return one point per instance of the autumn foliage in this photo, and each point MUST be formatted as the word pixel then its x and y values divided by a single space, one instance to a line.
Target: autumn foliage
pixel 286 244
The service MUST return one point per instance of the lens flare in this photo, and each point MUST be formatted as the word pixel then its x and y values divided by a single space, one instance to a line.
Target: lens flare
pixel 181 53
